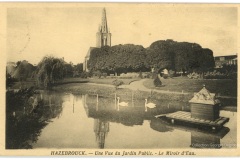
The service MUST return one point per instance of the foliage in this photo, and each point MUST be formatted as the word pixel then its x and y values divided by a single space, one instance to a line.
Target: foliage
pixel 171 73
pixel 218 75
pixel 77 69
pixel 228 68
pixel 194 75
pixel 24 127
pixel 169 54
pixel 160 55
pixel 97 73
pixel 165 76
pixel 23 70
pixel 85 74
pixel 104 75
pixel 157 82
pixel 117 83
pixel 9 80
pixel 68 70
pixel 118 59
pixel 49 71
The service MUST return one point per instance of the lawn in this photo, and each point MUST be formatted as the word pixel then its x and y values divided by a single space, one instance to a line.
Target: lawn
pixel 110 80
pixel 31 83
pixel 97 80
pixel 224 87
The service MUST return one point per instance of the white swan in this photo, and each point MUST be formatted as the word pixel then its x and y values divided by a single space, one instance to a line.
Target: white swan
pixel 149 105
pixel 124 104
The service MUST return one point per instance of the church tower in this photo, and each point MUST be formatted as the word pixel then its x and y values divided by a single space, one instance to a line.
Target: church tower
pixel 103 39
pixel 103 34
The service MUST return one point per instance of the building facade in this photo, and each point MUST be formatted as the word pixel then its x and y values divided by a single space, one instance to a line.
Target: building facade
pixel 103 38
pixel 225 60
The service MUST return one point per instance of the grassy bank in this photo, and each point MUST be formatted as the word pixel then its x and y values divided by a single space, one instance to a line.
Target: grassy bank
pixel 97 80
pixel 103 91
pixel 32 83
pixel 78 88
pixel 178 84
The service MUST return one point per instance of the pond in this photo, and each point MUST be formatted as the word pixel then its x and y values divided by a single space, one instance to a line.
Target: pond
pixel 92 122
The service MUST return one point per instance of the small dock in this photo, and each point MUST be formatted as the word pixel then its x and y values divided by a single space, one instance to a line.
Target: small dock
pixel 186 117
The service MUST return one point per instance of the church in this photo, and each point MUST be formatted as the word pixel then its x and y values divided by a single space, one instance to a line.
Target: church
pixel 103 38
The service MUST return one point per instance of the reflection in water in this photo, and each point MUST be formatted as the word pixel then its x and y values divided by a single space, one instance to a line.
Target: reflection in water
pixel 31 114
pixel 104 110
pixel 199 138
pixel 91 116
pixel 101 129
pixel 207 139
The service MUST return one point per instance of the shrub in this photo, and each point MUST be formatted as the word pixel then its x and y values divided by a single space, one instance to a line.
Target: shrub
pixel 157 82
pixel 218 75
pixel 165 76
pixel 194 75
pixel 171 73
pixel 148 75
pixel 104 75
pixel 117 83
pixel 154 75
pixel 85 74
pixel 10 80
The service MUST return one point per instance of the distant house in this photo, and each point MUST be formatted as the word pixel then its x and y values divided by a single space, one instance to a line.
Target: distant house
pixel 227 60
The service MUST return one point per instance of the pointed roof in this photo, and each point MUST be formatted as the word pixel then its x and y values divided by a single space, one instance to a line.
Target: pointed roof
pixel 104 26
pixel 204 97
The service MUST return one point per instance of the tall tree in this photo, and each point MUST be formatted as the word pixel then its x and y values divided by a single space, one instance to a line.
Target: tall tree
pixel 160 54
pixel 23 70
pixel 49 70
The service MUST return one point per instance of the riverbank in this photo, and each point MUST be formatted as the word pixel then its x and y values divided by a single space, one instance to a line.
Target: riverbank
pixel 222 87
pixel 109 91
pixel 176 89
pixel 105 90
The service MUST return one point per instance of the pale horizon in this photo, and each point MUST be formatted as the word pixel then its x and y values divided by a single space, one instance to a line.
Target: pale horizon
pixel 33 33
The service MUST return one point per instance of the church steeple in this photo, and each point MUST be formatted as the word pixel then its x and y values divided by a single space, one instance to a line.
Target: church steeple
pixel 104 21
pixel 103 38
pixel 103 34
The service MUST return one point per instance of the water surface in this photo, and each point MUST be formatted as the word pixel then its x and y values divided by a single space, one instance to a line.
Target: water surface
pixel 90 122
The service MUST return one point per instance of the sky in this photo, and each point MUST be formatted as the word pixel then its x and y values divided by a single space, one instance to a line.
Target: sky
pixel 69 31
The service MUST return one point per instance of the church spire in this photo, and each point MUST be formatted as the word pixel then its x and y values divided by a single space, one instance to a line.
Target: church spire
pixel 103 35
pixel 104 21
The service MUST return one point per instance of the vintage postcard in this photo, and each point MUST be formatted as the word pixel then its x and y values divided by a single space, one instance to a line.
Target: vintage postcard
pixel 119 79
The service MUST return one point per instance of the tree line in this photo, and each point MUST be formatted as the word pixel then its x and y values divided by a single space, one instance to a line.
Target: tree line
pixel 48 71
pixel 169 54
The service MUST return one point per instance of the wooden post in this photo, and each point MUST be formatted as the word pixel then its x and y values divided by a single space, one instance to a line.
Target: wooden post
pixel 73 104
pixel 97 107
pixel 115 94
pixel 97 103
pixel 132 100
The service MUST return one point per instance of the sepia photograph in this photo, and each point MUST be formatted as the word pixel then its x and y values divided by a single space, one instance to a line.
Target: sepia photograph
pixel 120 79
